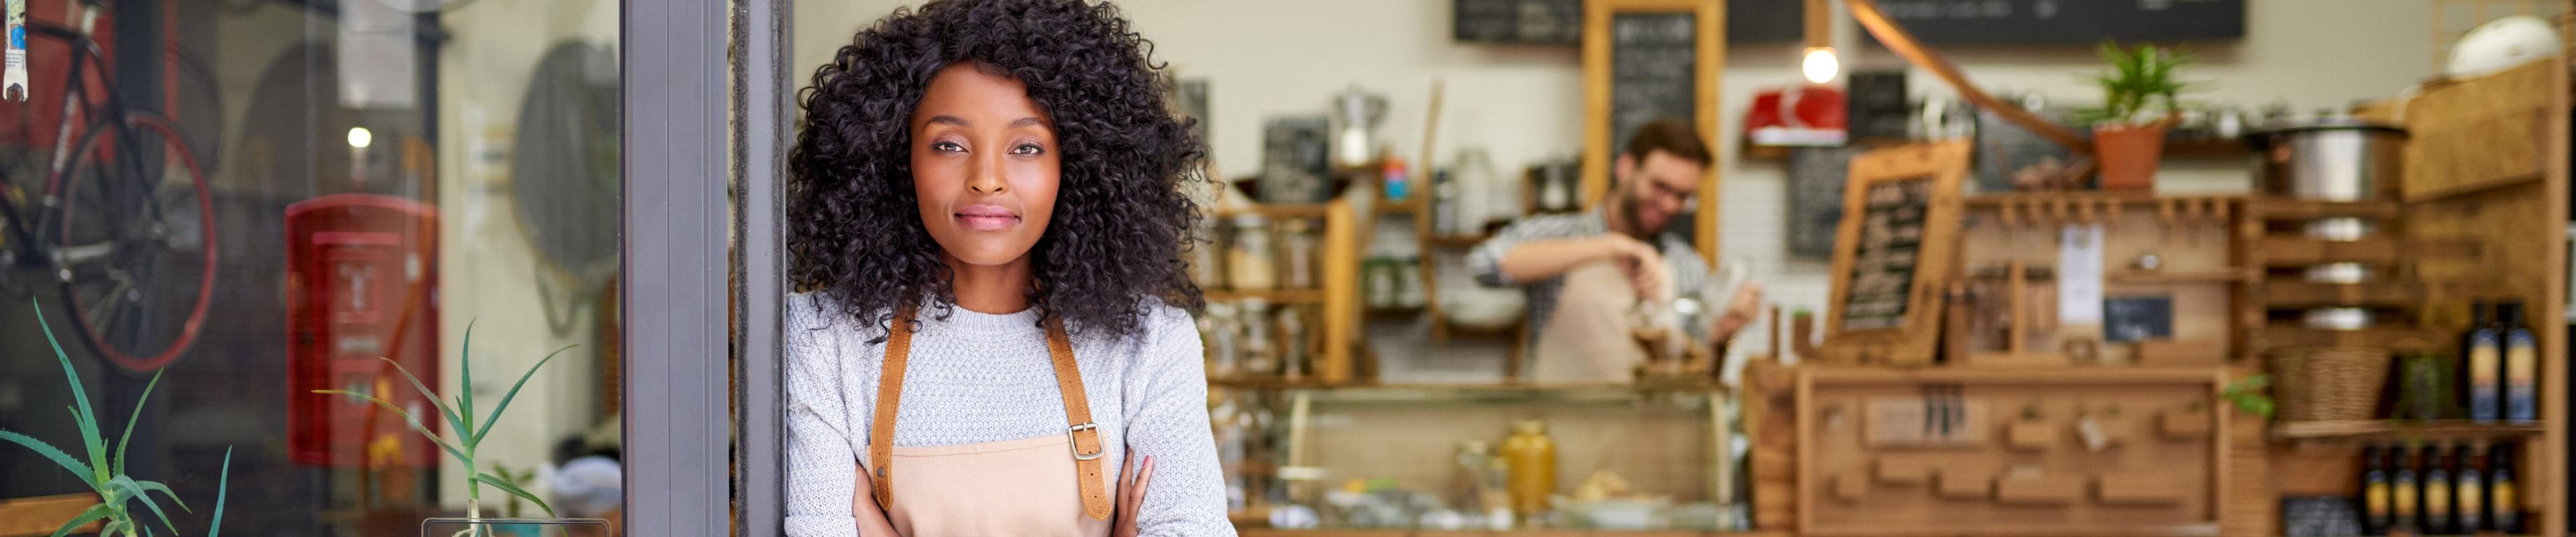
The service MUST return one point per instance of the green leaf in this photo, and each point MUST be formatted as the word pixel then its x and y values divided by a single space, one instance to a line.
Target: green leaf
pixel 454 422
pixel 504 406
pixel 115 525
pixel 128 438
pixel 223 481
pixel 407 418
pixel 87 419
pixel 92 514
pixel 514 490
pixel 56 455
pixel 130 487
pixel 465 397
pixel 156 486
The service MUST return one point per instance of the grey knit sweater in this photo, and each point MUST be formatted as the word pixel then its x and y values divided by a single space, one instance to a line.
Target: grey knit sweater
pixel 978 377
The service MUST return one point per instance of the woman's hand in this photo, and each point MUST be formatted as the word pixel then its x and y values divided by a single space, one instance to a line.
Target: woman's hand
pixel 1132 478
pixel 863 506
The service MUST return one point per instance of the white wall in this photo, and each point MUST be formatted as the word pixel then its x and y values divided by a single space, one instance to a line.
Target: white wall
pixel 1524 103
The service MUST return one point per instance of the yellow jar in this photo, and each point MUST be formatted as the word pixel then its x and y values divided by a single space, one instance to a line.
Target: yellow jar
pixel 1531 456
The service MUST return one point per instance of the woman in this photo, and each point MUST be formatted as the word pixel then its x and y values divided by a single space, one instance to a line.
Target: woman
pixel 988 222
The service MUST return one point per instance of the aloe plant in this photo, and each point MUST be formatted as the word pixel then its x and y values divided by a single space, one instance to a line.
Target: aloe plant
pixel 2140 85
pixel 459 413
pixel 106 476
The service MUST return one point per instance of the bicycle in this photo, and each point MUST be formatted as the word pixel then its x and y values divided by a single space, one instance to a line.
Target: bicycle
pixel 123 204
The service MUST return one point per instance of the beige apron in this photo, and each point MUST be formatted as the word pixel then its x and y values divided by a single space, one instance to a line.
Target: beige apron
pixel 1588 338
pixel 1044 486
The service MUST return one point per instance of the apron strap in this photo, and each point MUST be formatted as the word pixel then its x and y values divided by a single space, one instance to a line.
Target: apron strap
pixel 1084 434
pixel 889 393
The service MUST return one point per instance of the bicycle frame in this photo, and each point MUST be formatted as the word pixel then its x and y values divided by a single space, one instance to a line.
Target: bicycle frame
pixel 27 234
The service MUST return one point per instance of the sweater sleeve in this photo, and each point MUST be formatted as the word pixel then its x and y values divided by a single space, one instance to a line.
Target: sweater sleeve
pixel 822 468
pixel 1168 420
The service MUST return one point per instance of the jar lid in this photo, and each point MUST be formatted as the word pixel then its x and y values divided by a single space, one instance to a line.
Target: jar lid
pixel 1529 427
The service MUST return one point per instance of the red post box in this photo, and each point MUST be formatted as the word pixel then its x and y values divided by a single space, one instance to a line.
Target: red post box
pixel 361 284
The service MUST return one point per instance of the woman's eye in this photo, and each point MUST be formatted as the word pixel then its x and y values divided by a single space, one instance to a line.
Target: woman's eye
pixel 946 147
pixel 1027 149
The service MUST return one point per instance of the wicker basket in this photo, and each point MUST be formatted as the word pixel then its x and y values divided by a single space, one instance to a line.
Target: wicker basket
pixel 2328 384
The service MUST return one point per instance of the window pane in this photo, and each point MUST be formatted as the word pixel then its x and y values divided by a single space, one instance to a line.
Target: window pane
pixel 258 199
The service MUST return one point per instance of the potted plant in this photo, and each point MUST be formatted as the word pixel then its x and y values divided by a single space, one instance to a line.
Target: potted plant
pixel 459 413
pixel 2138 104
pixel 104 471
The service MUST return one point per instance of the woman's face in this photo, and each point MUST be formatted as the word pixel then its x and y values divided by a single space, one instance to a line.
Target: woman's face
pixel 984 166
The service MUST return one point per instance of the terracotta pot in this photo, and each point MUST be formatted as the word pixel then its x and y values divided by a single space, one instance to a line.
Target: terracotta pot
pixel 2128 154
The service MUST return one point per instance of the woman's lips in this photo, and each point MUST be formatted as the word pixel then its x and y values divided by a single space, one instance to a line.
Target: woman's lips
pixel 987 217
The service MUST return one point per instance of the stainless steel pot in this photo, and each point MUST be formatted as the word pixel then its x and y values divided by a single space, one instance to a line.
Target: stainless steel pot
pixel 2328 158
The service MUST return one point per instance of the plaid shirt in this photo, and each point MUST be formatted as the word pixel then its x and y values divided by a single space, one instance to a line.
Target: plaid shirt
pixel 1681 260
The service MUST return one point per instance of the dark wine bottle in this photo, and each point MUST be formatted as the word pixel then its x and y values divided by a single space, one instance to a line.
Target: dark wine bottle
pixel 2482 367
pixel 2375 492
pixel 2521 365
pixel 2405 490
pixel 2504 498
pixel 2471 488
pixel 2437 494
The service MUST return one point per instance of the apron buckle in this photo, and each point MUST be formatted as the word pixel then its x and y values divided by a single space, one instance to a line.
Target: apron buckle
pixel 1074 442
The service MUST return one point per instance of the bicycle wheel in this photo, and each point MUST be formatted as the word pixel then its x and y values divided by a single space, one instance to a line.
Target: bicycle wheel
pixel 137 247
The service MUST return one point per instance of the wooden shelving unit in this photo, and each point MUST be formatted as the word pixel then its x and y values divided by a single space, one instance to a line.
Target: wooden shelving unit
pixel 2405 430
pixel 1274 296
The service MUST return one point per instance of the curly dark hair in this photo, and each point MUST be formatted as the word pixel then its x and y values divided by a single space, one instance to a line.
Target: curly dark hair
pixel 1121 220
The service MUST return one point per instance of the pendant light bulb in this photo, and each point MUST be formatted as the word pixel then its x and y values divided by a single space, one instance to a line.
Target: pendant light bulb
pixel 1820 65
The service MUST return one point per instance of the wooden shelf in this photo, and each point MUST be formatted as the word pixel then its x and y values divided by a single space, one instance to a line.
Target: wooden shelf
pixel 2396 338
pixel 2292 251
pixel 2402 430
pixel 1274 296
pixel 1290 210
pixel 2196 276
pixel 2296 293
pixel 1456 241
pixel 2298 209
pixel 1408 206
pixel 2206 149
pixel 2090 197
pixel 1439 392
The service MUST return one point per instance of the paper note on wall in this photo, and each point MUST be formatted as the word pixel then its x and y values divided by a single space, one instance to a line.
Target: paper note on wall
pixel 2079 275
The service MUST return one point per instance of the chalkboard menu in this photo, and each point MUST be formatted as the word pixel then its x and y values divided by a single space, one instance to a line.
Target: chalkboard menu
pixel 1520 22
pixel 1891 241
pixel 1816 177
pixel 2083 22
pixel 1654 66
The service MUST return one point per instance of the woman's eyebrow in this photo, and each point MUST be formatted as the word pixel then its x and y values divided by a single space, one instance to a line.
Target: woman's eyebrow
pixel 946 119
pixel 1028 122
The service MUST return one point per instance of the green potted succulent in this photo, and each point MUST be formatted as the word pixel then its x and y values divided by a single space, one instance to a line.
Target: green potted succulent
pixel 2139 99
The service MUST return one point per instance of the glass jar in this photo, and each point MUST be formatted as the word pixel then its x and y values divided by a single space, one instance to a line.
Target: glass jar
pixel 1531 455
pixel 1222 332
pixel 1207 258
pixel 1260 349
pixel 1301 250
pixel 1408 282
pixel 1252 263
pixel 1293 335
pixel 1382 292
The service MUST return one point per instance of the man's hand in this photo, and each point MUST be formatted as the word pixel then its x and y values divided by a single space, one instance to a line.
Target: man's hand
pixel 1132 478
pixel 1740 311
pixel 1643 265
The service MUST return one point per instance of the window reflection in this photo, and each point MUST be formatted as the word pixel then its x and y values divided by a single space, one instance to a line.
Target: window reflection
pixel 261 198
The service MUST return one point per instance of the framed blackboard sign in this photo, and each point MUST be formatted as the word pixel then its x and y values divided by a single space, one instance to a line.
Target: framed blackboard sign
pixel 2066 22
pixel 1645 60
pixel 1897 244
pixel 1517 22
